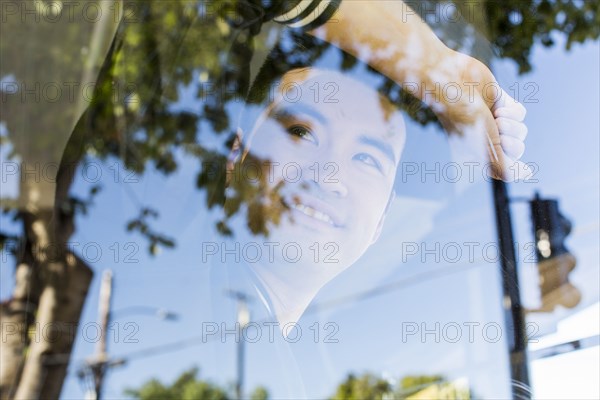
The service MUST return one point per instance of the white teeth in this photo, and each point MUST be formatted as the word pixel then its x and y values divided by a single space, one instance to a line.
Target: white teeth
pixel 311 212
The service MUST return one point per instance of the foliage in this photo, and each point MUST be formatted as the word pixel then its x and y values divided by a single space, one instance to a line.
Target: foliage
pixel 412 384
pixel 367 387
pixel 517 25
pixel 364 387
pixel 188 387
pixel 260 393
pixel 370 387
pixel 513 27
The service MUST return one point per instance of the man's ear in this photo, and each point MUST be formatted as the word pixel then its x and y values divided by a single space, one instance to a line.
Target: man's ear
pixel 382 219
pixel 233 156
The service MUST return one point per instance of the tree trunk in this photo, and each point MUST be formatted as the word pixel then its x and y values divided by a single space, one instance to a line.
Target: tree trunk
pixel 61 303
pixel 18 313
pixel 39 321
pixel 16 316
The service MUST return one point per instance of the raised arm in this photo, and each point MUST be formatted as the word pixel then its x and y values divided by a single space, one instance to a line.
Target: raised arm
pixel 393 39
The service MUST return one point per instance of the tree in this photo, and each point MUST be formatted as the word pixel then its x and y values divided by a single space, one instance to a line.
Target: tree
pixel 367 387
pixel 514 27
pixel 50 282
pixel 412 384
pixel 71 55
pixel 188 387
pixel 370 387
pixel 135 76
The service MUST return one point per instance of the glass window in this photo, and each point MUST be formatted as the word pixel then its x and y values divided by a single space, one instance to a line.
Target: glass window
pixel 304 199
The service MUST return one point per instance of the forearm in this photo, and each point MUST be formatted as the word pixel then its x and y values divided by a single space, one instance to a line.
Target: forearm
pixel 389 36
pixel 392 38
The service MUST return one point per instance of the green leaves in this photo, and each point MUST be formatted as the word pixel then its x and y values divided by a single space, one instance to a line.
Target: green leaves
pixel 141 225
pixel 188 387
pixel 539 21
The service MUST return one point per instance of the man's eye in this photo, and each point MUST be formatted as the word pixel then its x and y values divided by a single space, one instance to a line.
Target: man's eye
pixel 301 132
pixel 369 160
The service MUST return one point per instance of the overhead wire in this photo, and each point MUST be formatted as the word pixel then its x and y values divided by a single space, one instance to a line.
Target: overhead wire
pixel 359 296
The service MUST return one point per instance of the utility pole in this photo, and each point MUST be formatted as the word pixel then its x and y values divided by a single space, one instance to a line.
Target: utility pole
pixel 243 319
pixel 96 367
pixel 514 315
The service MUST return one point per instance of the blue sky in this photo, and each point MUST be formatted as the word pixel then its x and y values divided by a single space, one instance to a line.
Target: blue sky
pixel 563 142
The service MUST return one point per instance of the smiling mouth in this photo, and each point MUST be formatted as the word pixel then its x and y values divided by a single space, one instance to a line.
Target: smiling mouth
pixel 316 214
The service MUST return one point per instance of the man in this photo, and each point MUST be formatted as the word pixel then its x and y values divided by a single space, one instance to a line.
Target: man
pixel 320 172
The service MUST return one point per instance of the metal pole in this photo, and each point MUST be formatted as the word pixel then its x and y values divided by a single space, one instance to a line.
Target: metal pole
pixel 239 387
pixel 515 321
pixel 243 319
pixel 100 362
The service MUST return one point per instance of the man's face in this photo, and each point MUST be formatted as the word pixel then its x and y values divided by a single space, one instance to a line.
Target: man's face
pixel 335 144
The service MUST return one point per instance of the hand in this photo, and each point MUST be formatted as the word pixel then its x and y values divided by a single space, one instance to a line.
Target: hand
pixel 483 113
pixel 509 115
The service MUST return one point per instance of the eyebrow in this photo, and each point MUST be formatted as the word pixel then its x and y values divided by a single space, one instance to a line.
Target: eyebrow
pixel 287 111
pixel 380 145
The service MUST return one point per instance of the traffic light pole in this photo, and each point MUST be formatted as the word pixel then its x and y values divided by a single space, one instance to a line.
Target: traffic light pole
pixel 515 320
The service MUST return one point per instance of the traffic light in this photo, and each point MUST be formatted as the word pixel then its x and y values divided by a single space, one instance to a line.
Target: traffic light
pixel 555 262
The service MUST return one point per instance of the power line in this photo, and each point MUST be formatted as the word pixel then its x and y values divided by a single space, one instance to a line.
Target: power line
pixel 360 296
pixel 383 289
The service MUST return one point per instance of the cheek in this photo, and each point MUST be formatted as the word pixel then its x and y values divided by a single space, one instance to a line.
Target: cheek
pixel 272 143
pixel 371 207
pixel 285 159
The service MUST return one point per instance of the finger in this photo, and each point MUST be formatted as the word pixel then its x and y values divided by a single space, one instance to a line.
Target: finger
pixel 508 107
pixel 518 171
pixel 504 152
pixel 514 113
pixel 482 132
pixel 512 147
pixel 510 127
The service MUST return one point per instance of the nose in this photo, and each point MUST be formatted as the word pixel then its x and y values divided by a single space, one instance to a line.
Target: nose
pixel 325 180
